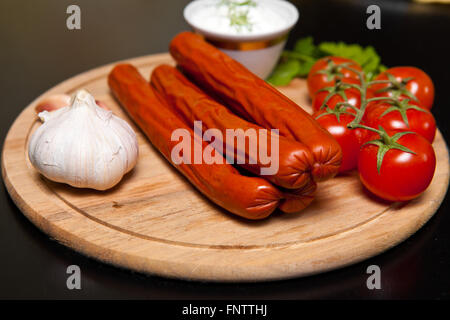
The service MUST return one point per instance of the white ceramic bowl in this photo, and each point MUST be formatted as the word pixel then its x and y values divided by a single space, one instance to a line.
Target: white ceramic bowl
pixel 260 51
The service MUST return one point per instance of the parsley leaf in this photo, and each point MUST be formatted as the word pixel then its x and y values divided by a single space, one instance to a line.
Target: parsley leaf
pixel 305 53
pixel 284 72
pixel 305 46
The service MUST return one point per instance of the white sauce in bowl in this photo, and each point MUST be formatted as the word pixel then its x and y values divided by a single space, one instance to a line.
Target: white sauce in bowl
pixel 265 16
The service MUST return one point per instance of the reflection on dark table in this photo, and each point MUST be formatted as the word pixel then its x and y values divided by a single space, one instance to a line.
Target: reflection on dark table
pixel 38 52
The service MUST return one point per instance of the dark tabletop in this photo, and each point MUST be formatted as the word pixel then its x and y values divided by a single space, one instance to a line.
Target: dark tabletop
pixel 37 51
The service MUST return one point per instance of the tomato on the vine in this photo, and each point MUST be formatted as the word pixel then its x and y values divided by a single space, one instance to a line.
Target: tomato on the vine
pixel 399 166
pixel 326 70
pixel 401 115
pixel 406 82
pixel 342 88
pixel 336 122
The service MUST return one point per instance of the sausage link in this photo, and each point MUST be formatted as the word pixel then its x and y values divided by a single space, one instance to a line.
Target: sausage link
pixel 249 197
pixel 294 200
pixel 255 100
pixel 292 161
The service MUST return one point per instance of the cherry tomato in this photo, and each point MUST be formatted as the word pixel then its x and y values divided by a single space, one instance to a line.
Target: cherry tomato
pixel 349 139
pixel 402 176
pixel 326 70
pixel 411 79
pixel 353 95
pixel 404 115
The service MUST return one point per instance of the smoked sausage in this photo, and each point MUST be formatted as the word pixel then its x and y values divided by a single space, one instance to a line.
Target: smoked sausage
pixel 255 100
pixel 291 162
pixel 249 197
pixel 294 200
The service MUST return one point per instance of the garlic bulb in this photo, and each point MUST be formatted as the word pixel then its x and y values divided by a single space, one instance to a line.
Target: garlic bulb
pixel 83 145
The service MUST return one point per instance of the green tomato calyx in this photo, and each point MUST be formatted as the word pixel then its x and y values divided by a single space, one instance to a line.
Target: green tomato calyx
pixel 386 143
pixel 401 106
pixel 397 88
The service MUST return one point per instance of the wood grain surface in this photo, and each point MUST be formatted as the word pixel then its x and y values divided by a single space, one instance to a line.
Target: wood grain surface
pixel 155 222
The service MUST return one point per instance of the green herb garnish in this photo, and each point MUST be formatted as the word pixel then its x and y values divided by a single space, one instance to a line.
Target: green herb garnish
pixel 306 53
pixel 238 13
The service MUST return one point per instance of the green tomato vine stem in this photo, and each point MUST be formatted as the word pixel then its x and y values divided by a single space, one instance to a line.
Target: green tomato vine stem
pixel 385 142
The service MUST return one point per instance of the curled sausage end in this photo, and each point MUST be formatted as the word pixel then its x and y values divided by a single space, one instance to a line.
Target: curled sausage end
pixel 297 200
pixel 328 162
pixel 265 200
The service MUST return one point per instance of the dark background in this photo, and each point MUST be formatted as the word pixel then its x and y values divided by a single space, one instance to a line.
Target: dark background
pixel 37 52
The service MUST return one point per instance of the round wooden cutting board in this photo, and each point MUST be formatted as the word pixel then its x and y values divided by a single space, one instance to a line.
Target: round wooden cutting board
pixel 155 222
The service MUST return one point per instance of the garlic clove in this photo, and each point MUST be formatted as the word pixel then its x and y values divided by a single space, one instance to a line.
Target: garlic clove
pixel 102 105
pixel 53 102
pixel 58 101
pixel 83 145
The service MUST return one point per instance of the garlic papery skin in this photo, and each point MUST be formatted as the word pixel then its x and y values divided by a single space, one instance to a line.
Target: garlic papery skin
pixel 83 145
